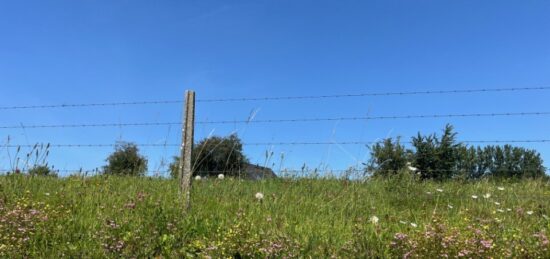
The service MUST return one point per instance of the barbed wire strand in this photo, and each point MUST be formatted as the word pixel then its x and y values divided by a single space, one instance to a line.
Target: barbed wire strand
pixel 426 92
pixel 396 117
pixel 270 143
pixel 246 99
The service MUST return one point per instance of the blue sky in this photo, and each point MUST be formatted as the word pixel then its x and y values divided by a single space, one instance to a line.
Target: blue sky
pixel 54 52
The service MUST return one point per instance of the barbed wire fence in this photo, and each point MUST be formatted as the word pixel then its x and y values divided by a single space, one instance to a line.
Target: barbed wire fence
pixel 178 124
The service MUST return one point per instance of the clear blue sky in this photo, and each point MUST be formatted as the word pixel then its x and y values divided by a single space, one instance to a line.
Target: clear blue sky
pixel 55 52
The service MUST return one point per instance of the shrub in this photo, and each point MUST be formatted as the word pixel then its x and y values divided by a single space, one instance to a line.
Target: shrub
pixel 126 160
pixel 41 170
pixel 387 157
pixel 215 155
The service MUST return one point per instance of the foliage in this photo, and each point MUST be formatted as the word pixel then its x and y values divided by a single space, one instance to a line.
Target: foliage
pixel 135 217
pixel 174 167
pixel 215 155
pixel 42 170
pixel 497 161
pixel 436 157
pixel 444 158
pixel 387 157
pixel 126 160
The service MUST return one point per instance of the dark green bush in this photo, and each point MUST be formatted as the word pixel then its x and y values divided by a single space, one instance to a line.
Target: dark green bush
pixel 215 155
pixel 436 158
pixel 126 160
pixel 387 157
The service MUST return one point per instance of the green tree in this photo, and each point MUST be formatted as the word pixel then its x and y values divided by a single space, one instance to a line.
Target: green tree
pixel 215 155
pixel 502 162
pixel 436 158
pixel 126 160
pixel 444 158
pixel 387 157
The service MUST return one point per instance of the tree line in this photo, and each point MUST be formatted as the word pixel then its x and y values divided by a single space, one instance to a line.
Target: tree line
pixel 430 157
pixel 443 157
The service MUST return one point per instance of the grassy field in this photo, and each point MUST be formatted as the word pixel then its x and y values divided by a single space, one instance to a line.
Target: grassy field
pixel 318 218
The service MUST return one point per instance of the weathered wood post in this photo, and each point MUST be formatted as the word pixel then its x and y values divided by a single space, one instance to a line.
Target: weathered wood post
pixel 188 128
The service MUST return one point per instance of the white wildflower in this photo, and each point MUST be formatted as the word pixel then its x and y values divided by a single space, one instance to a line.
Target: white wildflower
pixel 197 178
pixel 449 206
pixel 47 194
pixel 474 196
pixel 500 188
pixel 221 176
pixel 374 220
pixel 403 222
pixel 500 210
pixel 414 225
pixel 508 210
pixel 498 220
pixel 529 212
pixel 259 196
pixel 487 196
pixel 429 193
pixel 497 203
pixel 439 190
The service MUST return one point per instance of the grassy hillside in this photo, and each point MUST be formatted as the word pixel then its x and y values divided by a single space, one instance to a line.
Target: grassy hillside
pixel 143 217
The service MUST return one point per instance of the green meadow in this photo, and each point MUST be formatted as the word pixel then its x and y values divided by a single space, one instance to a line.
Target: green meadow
pixel 137 217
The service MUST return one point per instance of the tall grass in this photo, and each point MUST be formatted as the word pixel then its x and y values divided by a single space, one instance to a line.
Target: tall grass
pixel 144 217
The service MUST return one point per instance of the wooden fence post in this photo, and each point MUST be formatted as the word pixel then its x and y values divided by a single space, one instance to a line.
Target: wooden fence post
pixel 185 170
